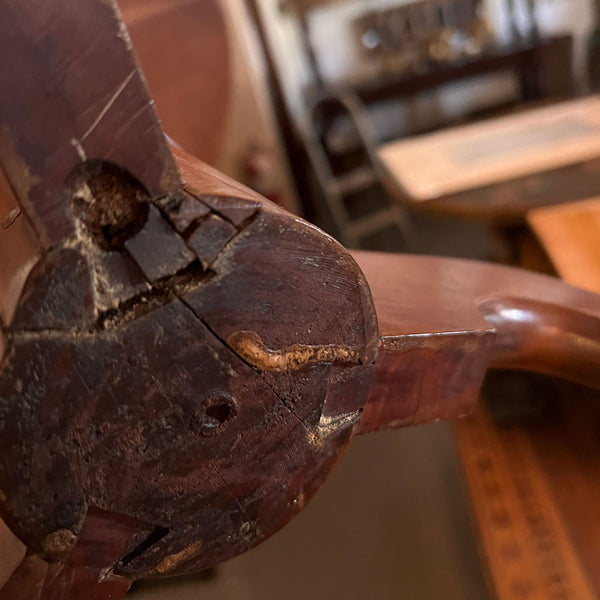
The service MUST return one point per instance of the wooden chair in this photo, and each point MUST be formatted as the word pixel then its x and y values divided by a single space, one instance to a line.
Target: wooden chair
pixel 344 188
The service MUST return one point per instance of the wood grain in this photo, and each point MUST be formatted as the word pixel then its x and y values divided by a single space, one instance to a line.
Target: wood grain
pixel 183 362
pixel 62 100
pixel 149 315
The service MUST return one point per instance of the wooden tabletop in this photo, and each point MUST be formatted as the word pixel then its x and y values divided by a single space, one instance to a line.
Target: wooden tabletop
pixel 495 150
pixel 570 233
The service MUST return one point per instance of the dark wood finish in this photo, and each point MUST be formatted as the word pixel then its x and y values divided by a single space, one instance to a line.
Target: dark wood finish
pixel 206 374
pixel 85 570
pixel 183 362
pixel 73 97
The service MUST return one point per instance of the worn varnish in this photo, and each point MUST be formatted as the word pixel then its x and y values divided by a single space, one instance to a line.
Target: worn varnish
pixel 130 354
pixel 183 362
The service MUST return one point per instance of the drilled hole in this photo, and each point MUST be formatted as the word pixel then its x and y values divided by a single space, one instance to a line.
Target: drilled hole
pixel 216 412
pixel 219 412
pixel 109 201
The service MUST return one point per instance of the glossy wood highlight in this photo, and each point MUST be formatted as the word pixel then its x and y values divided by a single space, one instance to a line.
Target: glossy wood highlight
pixel 444 321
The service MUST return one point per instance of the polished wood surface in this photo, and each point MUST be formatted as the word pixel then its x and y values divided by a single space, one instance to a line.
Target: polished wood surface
pixel 183 362
pixel 495 150
pixel 570 235
pixel 443 322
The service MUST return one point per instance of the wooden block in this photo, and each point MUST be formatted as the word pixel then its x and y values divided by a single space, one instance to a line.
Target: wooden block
pixel 210 237
pixel 58 293
pixel 157 248
pixel 184 209
pixel 118 278
pixel 236 210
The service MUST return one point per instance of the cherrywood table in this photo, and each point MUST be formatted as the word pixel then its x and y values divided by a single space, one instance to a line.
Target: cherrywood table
pixel 499 169
pixel 535 488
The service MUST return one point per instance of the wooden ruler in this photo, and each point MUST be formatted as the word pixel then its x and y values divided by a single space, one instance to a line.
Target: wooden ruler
pixel 524 539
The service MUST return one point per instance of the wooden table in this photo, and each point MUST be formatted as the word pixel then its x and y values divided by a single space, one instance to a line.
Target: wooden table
pixel 499 169
pixel 535 489
pixel 571 236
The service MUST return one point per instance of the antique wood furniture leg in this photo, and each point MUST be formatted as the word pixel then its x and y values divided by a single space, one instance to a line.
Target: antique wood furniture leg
pixel 182 363
pixel 443 322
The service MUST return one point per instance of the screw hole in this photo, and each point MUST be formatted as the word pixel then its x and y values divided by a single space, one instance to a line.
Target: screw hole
pixel 215 414
pixel 219 412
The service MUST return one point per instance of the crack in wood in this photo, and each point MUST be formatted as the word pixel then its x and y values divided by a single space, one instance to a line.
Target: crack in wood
pixel 286 405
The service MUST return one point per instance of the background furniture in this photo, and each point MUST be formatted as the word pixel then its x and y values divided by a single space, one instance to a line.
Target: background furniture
pixel 413 49
pixel 498 170
pixel 570 234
